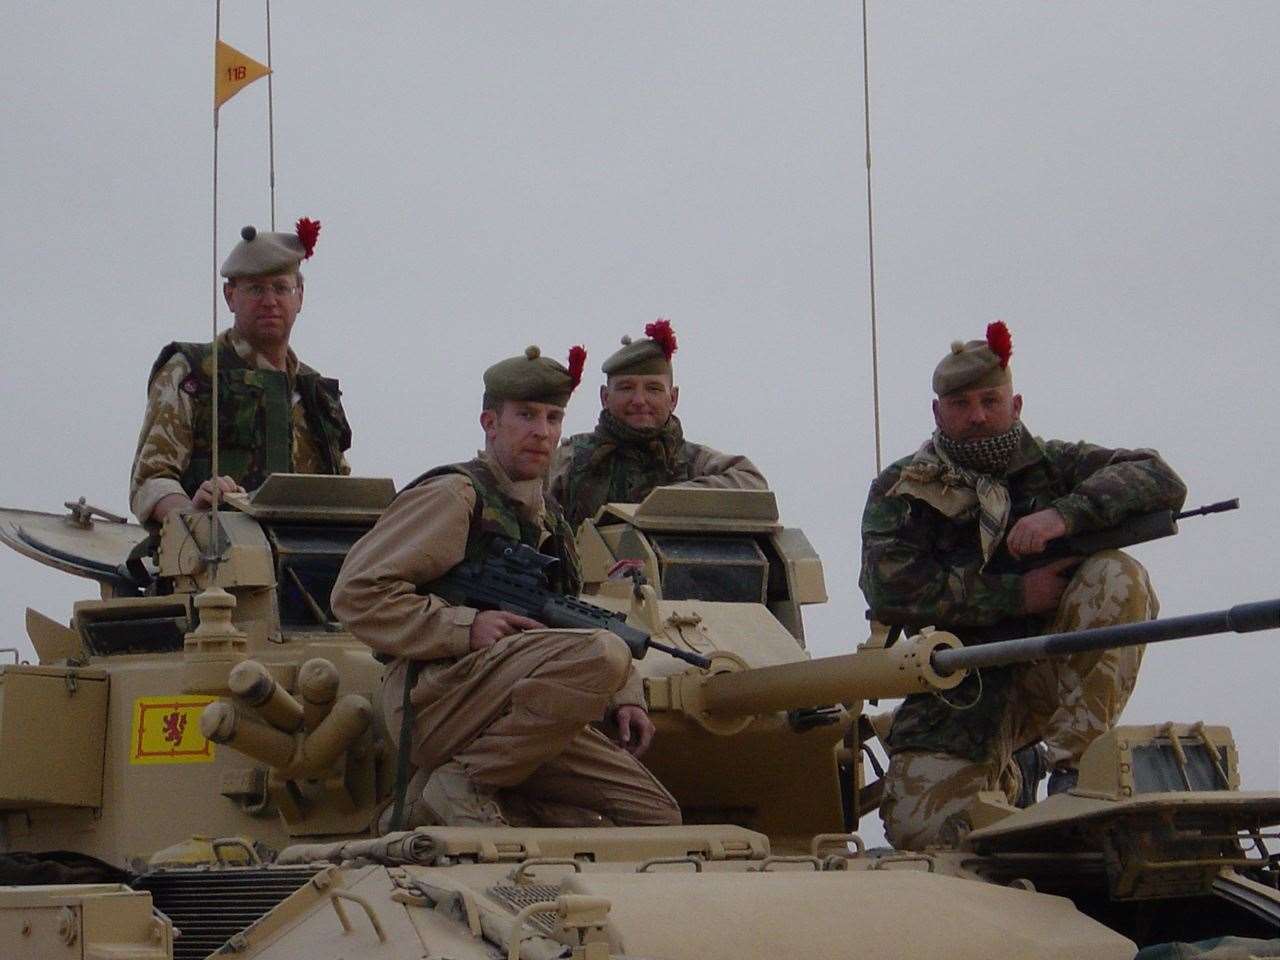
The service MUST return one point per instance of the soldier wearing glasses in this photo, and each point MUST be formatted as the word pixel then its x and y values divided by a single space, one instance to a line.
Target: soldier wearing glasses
pixel 276 414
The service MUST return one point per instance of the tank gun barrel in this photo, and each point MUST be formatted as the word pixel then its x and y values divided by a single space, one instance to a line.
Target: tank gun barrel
pixel 1242 618
pixel 937 661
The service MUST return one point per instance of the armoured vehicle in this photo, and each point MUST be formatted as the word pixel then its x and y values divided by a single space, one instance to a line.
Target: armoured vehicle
pixel 197 767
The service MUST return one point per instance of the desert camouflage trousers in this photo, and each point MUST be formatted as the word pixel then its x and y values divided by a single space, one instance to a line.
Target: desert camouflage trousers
pixel 516 715
pixel 1068 702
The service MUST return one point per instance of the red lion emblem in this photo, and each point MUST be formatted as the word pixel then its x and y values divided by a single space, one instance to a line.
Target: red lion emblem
pixel 175 724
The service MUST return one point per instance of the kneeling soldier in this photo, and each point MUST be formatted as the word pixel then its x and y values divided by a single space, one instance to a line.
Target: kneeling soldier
pixel 502 705
pixel 947 536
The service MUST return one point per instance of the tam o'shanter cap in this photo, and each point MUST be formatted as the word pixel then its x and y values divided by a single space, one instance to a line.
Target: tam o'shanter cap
pixel 650 355
pixel 531 376
pixel 976 365
pixel 260 254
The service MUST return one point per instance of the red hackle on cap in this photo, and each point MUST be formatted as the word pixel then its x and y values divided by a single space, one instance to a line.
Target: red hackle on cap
pixel 660 332
pixel 577 360
pixel 308 232
pixel 1000 340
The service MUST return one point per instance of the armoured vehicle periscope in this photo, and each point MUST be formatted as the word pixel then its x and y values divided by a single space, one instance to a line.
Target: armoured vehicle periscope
pixel 207 732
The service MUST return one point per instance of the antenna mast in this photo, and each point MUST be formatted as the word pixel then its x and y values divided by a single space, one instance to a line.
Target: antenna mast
pixel 871 236
pixel 271 121
pixel 213 552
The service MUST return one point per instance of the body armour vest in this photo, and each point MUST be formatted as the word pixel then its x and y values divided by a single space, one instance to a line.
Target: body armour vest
pixel 498 515
pixel 620 473
pixel 255 416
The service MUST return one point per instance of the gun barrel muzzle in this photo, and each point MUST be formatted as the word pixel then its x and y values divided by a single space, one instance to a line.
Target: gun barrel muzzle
pixel 253 685
pixel 318 686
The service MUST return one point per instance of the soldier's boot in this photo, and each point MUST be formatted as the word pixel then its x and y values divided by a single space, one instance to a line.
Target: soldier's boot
pixel 416 813
pixel 1063 779
pixel 1032 766
pixel 454 800
pixel 522 811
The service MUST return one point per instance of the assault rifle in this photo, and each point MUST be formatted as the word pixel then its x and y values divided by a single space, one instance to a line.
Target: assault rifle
pixel 516 578
pixel 1137 529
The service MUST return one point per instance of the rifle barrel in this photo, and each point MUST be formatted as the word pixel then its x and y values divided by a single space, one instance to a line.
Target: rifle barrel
pixel 1242 618
pixel 1222 506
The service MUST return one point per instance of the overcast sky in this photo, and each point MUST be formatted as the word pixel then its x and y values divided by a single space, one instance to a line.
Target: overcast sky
pixel 1101 176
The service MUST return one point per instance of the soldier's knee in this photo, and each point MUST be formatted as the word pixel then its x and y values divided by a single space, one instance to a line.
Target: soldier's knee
pixel 903 828
pixel 1121 565
pixel 909 832
pixel 926 798
pixel 896 808
pixel 1108 587
pixel 1115 569
pixel 610 656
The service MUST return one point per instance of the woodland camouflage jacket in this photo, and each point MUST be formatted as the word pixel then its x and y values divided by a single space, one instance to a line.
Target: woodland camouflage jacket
pixel 923 568
pixel 592 469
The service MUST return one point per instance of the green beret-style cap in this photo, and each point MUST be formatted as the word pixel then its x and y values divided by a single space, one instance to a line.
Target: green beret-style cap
pixel 531 376
pixel 650 355
pixel 976 365
pixel 260 254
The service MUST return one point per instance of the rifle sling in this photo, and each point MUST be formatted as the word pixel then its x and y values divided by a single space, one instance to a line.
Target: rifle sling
pixel 404 748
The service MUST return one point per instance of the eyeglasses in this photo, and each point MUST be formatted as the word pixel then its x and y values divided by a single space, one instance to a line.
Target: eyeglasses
pixel 280 288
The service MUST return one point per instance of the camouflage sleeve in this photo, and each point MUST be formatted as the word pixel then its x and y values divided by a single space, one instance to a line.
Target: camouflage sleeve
pixel 1109 485
pixel 905 582
pixel 164 443
pixel 711 468
pixel 558 475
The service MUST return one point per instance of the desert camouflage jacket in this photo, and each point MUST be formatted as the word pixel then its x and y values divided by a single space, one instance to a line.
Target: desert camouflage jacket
pixel 921 567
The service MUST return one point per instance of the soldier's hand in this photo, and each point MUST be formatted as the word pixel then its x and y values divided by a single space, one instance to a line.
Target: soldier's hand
pixel 635 729
pixel 490 626
pixel 1032 533
pixel 203 499
pixel 1042 588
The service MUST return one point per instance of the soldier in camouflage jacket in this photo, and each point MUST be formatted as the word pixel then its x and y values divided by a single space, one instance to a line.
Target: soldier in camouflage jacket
pixel 274 414
pixel 941 532
pixel 638 443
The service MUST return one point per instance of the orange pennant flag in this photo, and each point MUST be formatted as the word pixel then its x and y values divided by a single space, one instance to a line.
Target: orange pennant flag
pixel 232 72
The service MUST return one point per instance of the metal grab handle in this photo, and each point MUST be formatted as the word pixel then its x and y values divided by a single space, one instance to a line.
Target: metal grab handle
pixel 767 862
pixel 220 843
pixel 517 875
pixel 1199 731
pixel 838 840
pixel 518 929
pixel 654 861
pixel 335 896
